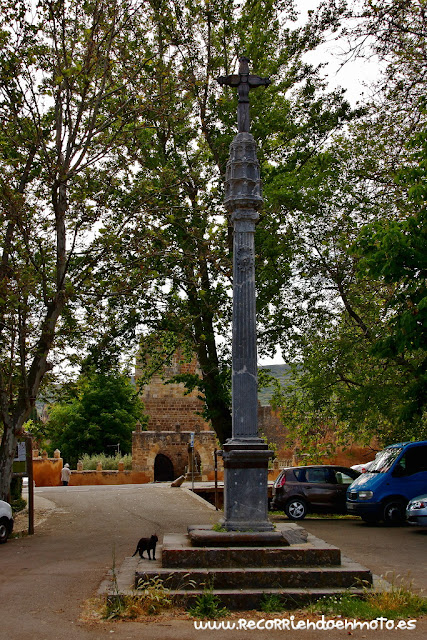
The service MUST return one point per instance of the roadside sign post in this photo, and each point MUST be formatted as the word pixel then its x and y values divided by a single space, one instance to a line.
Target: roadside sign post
pixel 29 455
pixel 23 468
pixel 192 459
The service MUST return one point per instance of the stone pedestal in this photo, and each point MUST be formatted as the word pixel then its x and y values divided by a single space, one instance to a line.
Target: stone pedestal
pixel 246 487
pixel 243 568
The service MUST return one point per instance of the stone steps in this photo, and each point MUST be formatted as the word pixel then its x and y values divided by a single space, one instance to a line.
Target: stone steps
pixel 347 575
pixel 247 599
pixel 242 577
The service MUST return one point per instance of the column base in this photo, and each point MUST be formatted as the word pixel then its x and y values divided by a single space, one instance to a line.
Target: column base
pixel 246 485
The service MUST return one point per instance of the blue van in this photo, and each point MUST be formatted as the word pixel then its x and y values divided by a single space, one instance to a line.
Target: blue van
pixel 398 474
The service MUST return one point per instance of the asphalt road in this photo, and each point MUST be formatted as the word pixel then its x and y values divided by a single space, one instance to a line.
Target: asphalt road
pixel 46 578
pixel 397 553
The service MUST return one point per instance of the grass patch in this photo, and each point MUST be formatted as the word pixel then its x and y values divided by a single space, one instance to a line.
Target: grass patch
pixel 398 603
pixel 150 598
pixel 318 516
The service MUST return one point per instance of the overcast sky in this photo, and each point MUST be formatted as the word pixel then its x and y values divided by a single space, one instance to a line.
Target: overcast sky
pixel 353 75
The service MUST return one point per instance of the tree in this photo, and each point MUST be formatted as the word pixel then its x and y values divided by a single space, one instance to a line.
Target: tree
pixel 181 172
pixel 101 411
pixel 347 309
pixel 395 251
pixel 71 75
pixel 115 137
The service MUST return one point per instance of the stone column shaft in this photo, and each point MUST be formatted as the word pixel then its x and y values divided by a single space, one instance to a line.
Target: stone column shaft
pixel 244 350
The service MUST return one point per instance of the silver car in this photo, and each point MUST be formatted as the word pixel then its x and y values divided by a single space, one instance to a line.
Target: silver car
pixel 416 510
pixel 6 521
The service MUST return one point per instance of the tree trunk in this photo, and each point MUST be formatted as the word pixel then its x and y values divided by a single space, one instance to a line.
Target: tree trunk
pixel 7 454
pixel 213 384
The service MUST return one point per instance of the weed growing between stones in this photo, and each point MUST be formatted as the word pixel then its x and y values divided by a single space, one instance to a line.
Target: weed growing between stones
pixel 155 597
pixel 208 605
pixel 149 598
pixel 271 602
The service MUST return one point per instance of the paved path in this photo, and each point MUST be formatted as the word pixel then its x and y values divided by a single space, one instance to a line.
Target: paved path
pixel 45 578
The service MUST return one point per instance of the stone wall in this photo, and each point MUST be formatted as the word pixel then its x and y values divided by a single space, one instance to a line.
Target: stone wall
pixel 270 426
pixel 47 471
pixel 151 451
pixel 169 404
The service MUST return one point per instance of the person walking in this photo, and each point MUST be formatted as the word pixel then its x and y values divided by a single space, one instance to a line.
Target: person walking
pixel 65 474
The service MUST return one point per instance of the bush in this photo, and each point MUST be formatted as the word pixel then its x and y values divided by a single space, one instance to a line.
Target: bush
pixel 16 488
pixel 109 463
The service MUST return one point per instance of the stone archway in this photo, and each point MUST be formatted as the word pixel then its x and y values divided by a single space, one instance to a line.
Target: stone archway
pixel 173 445
pixel 163 468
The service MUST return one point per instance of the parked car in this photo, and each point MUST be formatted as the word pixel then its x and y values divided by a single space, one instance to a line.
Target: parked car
pixel 398 474
pixel 416 511
pixel 6 521
pixel 312 488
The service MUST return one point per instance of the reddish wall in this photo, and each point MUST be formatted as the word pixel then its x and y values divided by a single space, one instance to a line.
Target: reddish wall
pixel 47 471
pixel 81 478
pixel 347 457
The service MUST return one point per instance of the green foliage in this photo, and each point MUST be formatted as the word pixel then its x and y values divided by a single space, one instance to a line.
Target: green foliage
pixel 102 411
pixel 398 603
pixel 395 251
pixel 114 141
pixel 109 463
pixel 208 605
pixel 18 504
pixel 354 319
pixel 70 95
pixel 271 603
pixel 16 488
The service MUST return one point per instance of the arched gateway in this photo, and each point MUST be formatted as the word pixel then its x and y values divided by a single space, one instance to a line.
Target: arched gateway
pixel 164 455
pixel 163 468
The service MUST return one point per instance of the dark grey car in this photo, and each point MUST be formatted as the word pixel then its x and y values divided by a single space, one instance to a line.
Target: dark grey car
pixel 314 488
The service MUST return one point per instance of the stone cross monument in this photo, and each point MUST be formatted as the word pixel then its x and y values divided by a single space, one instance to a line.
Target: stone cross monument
pixel 245 455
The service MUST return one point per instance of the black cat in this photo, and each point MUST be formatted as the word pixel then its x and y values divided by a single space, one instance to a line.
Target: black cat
pixel 147 544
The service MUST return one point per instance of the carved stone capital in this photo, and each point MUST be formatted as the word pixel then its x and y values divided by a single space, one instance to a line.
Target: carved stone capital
pixel 242 179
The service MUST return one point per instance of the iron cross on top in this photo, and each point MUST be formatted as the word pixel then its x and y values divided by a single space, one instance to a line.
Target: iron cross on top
pixel 243 81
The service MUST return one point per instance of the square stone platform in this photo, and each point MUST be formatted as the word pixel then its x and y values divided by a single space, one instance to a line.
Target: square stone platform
pixel 301 570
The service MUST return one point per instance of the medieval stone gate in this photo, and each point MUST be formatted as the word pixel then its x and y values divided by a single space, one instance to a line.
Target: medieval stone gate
pixel 165 455
pixel 162 452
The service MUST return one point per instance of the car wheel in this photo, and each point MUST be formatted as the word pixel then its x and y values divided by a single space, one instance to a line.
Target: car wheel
pixel 4 530
pixel 394 512
pixel 296 509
